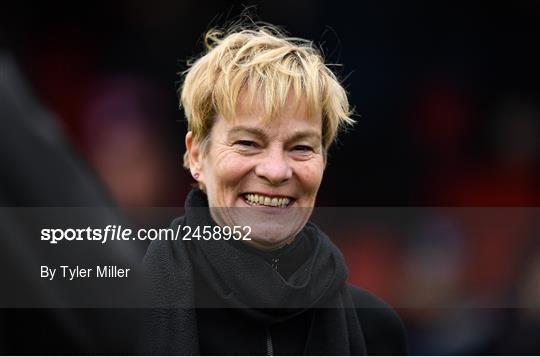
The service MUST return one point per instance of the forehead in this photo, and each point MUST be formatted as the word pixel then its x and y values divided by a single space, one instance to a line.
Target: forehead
pixel 294 116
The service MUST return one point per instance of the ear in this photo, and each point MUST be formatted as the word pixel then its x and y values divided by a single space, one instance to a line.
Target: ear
pixel 194 151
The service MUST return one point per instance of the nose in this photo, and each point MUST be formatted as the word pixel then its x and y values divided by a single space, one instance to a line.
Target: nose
pixel 274 167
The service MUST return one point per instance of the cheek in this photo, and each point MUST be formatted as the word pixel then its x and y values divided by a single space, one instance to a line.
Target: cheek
pixel 229 170
pixel 310 176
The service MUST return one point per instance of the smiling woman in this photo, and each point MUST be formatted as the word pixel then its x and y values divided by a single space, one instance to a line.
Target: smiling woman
pixel 262 111
pixel 274 167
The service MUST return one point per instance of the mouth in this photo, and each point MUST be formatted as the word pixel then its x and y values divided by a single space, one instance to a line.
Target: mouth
pixel 258 199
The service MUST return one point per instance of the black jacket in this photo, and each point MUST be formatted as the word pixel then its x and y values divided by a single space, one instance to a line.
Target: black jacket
pixel 227 332
pixel 228 298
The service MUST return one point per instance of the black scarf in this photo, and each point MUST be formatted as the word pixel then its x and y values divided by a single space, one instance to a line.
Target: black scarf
pixel 245 281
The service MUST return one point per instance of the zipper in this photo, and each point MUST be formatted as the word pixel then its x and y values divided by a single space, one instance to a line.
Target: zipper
pixel 275 261
pixel 269 345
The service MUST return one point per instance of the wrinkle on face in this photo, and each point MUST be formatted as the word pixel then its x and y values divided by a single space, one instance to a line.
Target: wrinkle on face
pixel 281 157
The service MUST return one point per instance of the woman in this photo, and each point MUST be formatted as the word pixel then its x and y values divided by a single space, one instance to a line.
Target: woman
pixel 262 111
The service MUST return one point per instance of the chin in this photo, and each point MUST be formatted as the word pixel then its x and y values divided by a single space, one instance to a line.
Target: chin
pixel 269 226
pixel 270 236
pixel 273 232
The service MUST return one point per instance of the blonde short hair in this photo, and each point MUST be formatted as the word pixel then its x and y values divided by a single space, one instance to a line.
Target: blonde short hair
pixel 263 63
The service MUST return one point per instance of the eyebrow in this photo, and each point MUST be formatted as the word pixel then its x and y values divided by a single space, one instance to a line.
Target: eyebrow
pixel 246 129
pixel 305 134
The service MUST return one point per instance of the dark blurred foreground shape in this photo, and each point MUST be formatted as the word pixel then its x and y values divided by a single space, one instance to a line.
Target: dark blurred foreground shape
pixel 38 168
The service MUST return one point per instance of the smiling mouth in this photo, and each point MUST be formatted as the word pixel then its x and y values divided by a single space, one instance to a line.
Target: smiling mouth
pixel 255 199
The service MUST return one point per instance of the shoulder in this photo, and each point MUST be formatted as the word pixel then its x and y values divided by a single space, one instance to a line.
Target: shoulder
pixel 382 327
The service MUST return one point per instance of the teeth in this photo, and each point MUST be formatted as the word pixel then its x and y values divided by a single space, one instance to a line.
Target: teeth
pixel 254 199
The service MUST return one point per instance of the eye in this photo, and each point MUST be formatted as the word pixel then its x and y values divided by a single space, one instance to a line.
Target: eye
pixel 303 148
pixel 246 147
pixel 246 143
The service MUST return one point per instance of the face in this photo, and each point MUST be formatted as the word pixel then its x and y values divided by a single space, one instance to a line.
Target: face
pixel 262 175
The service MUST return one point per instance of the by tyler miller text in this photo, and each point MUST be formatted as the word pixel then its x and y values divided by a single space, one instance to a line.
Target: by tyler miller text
pixel 78 272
